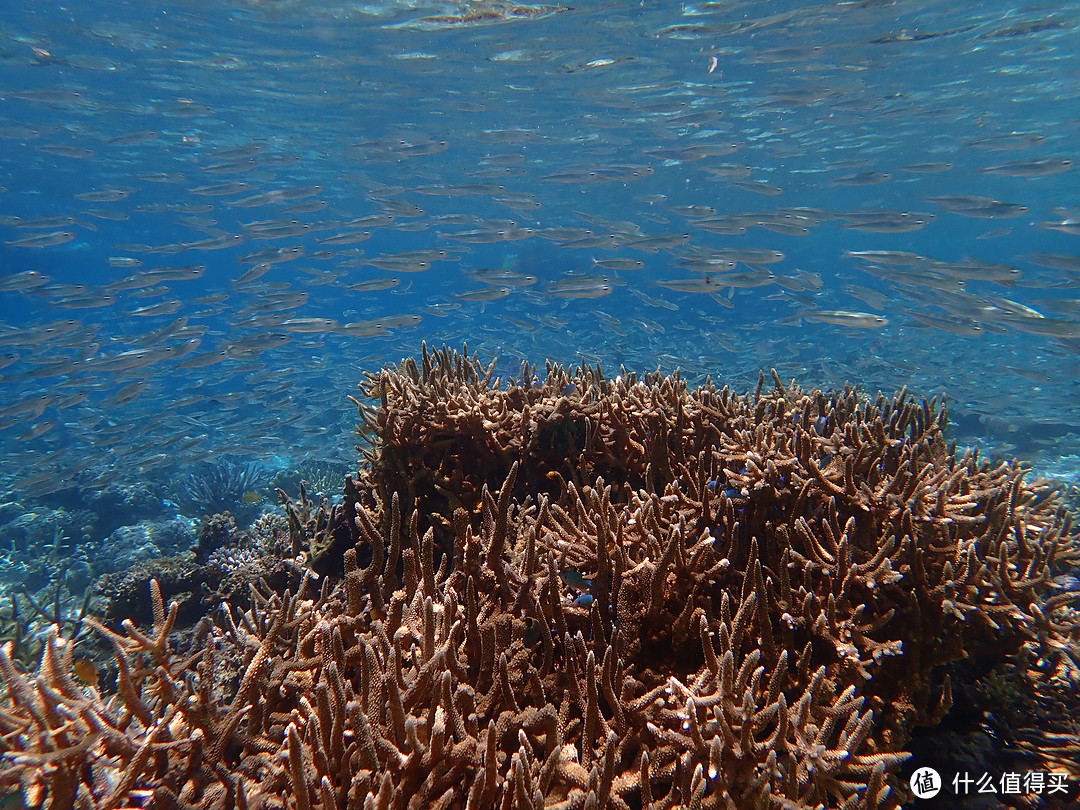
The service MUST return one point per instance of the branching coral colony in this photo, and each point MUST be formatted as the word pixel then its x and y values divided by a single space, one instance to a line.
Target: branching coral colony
pixel 588 593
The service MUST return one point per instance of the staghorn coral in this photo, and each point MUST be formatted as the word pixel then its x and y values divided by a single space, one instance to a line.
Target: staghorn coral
pixel 777 587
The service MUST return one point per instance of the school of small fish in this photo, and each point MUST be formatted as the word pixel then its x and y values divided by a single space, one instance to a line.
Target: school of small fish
pixel 214 218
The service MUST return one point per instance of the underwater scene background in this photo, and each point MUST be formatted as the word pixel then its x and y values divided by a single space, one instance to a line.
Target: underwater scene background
pixel 215 217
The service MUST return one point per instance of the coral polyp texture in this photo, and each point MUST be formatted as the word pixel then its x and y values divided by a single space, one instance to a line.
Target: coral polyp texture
pixel 591 593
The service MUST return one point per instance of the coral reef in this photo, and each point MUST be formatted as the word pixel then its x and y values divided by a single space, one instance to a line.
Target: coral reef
pixel 225 561
pixel 37 540
pixel 322 478
pixel 590 593
pixel 65 545
pixel 224 486
pixel 142 543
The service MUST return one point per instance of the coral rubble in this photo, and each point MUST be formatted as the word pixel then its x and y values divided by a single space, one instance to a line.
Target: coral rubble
pixel 587 593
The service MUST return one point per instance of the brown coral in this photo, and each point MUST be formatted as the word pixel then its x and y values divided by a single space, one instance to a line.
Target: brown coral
pixel 776 585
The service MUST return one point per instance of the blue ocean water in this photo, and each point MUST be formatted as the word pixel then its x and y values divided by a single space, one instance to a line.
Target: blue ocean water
pixel 216 215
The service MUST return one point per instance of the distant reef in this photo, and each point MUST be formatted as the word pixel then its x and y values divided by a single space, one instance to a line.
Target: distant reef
pixel 567 590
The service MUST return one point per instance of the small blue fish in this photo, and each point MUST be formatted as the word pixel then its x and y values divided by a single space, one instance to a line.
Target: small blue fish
pixel 570 389
pixel 584 600
pixel 575 579
pixel 1066 582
